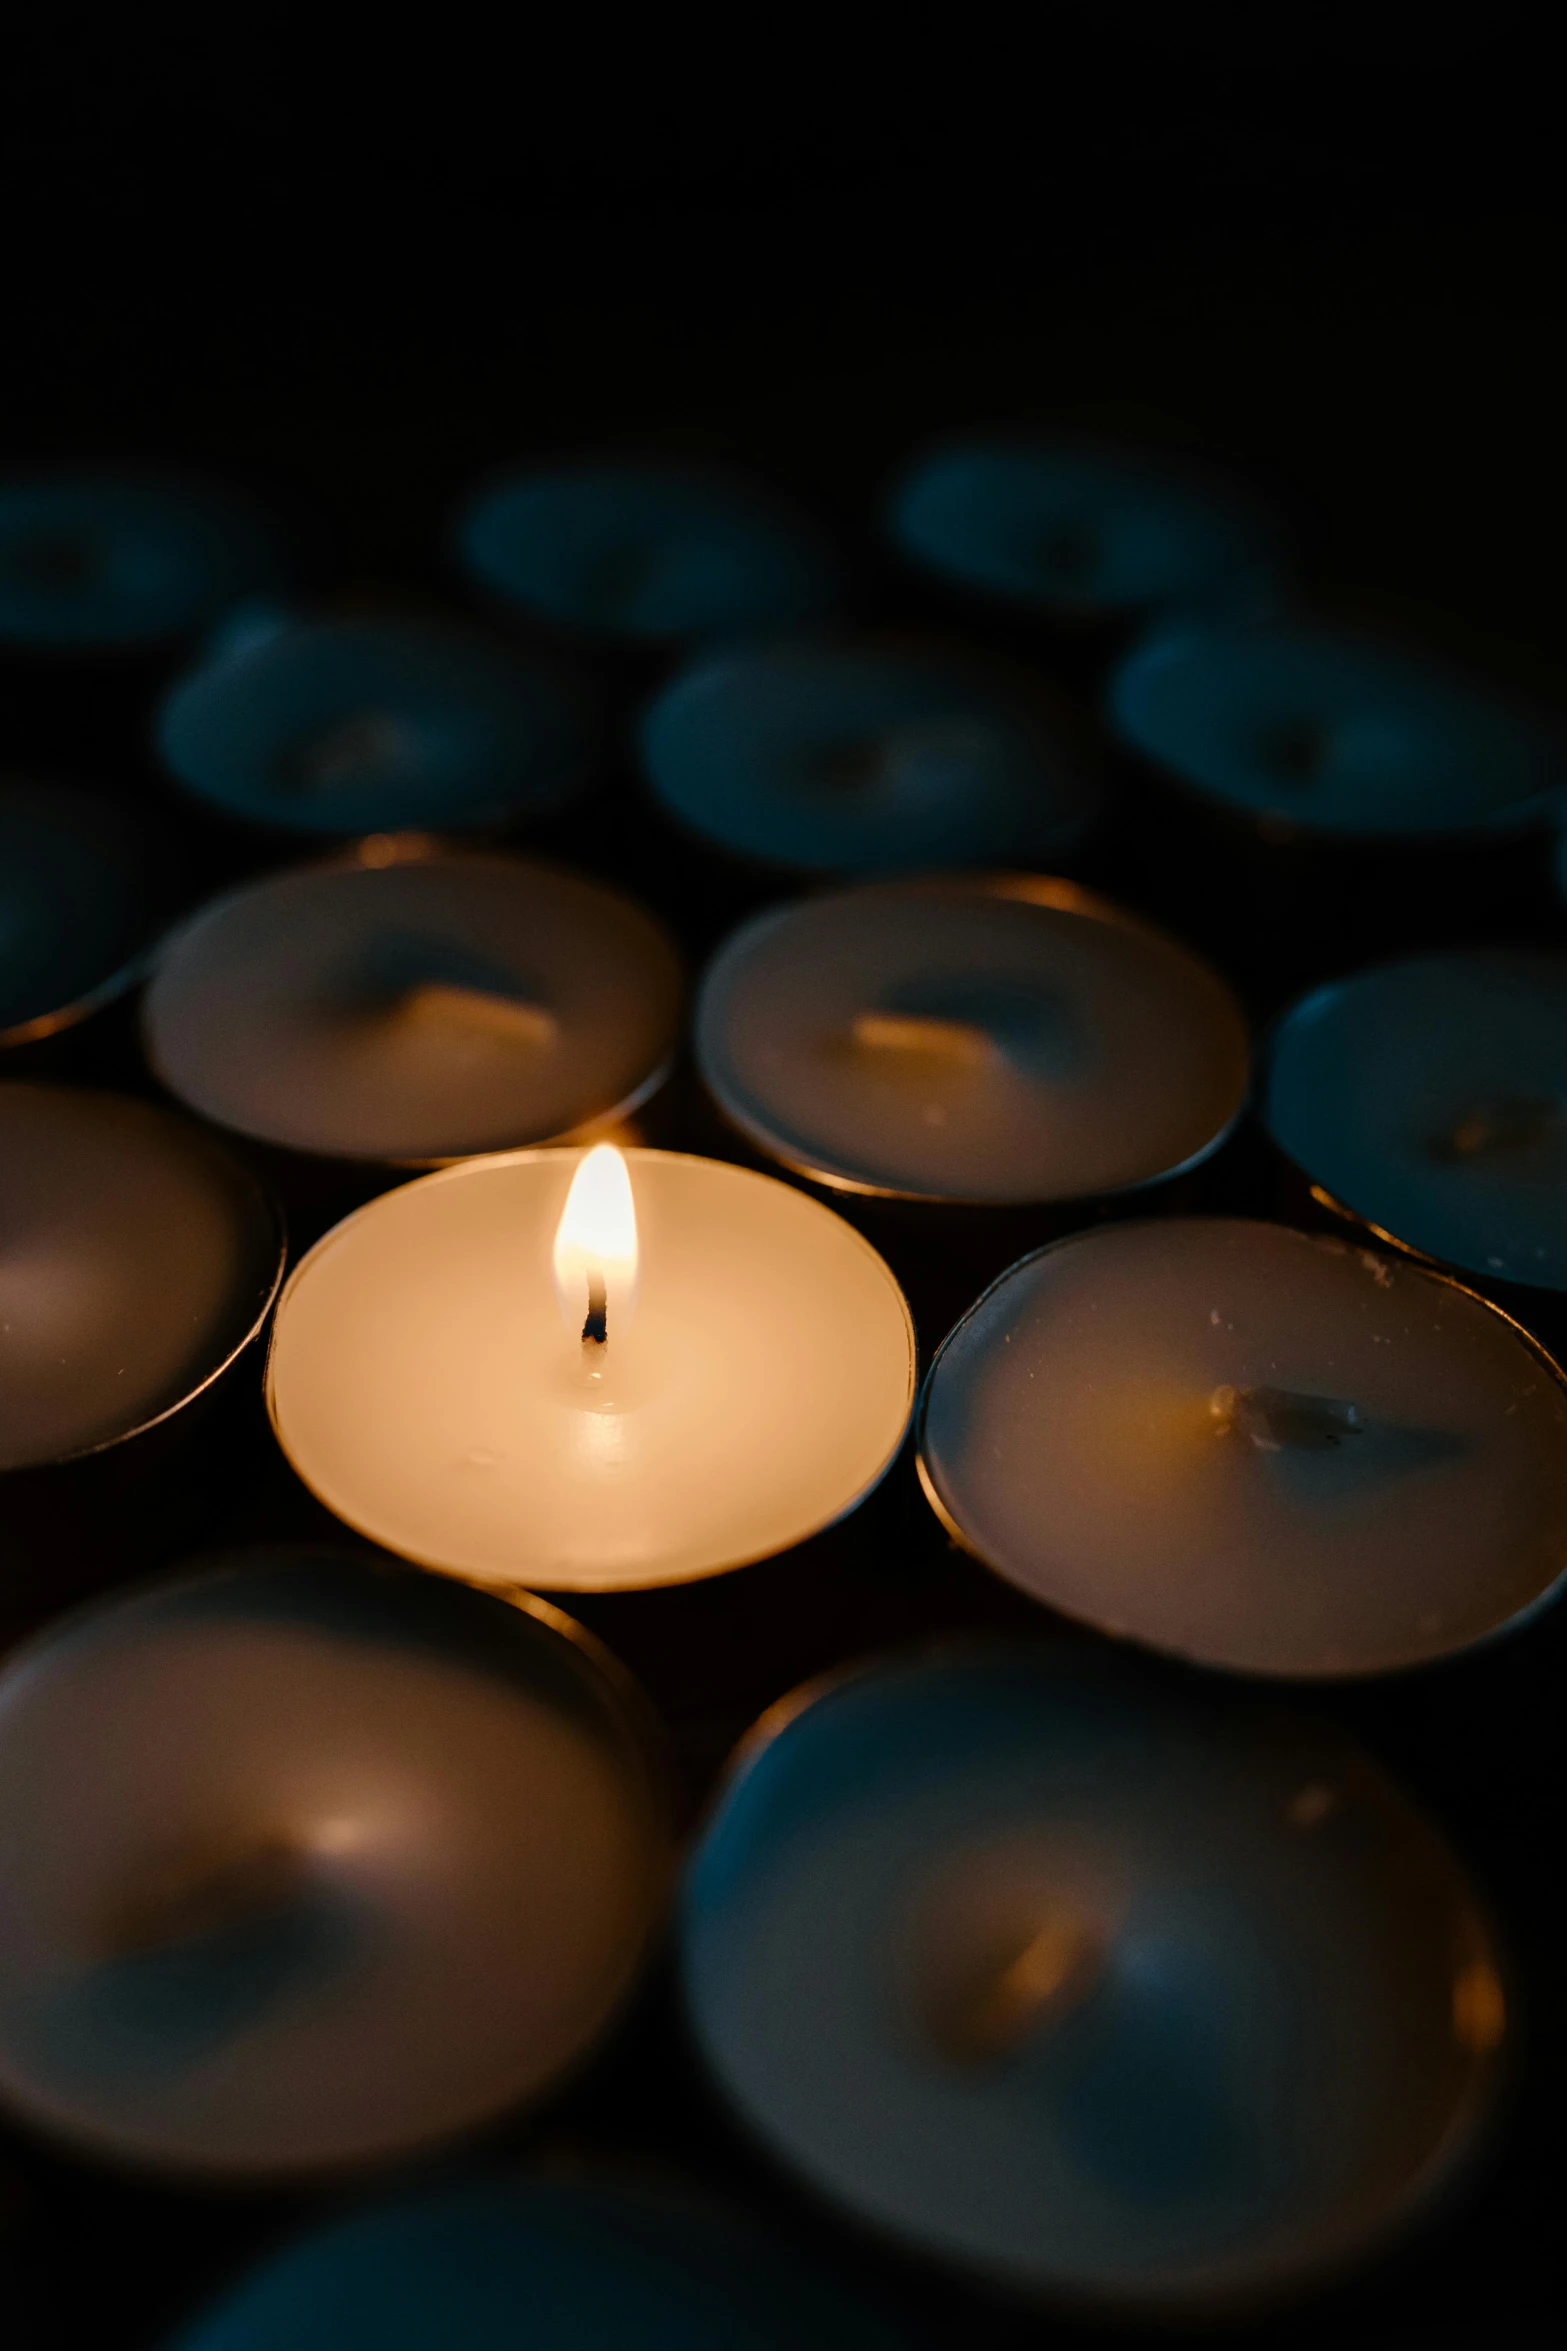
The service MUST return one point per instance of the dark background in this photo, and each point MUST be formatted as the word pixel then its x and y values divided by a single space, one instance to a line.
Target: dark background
pixel 1324 247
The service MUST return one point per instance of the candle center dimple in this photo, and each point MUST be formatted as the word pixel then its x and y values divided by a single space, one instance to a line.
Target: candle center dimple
pixel 957 1041
pixel 972 1023
pixel 55 563
pixel 1294 751
pixel 1067 552
pixel 616 576
pixel 1277 1420
pixel 1050 1975
pixel 369 747
pixel 463 1012
pixel 200 1896
pixel 1514 1127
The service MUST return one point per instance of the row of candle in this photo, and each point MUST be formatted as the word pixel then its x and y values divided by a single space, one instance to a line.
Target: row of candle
pixel 310 1862
pixel 824 751
pixel 1000 1038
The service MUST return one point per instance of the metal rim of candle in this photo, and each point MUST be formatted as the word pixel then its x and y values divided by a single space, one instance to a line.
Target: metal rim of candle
pixel 455 1174
pixel 1449 2165
pixel 1425 1260
pixel 277 1242
pixel 372 852
pixel 1046 890
pixel 956 1533
pixel 622 1701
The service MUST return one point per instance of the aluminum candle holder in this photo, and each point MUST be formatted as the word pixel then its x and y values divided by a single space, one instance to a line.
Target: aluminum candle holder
pixel 1253 1447
pixel 138 1265
pixel 310 1863
pixel 1099 1994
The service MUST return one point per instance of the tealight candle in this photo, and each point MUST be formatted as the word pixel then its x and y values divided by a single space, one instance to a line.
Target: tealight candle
pixel 372 724
pixel 1254 1447
pixel 591 1371
pixel 308 1862
pixel 1076 529
pixel 414 1004
pixel 865 755
pixel 138 1263
pixel 646 552
pixel 1092 1992
pixel 1334 734
pixel 136 1259
pixel 1429 1098
pixel 1005 1038
pixel 108 561
pixel 74 907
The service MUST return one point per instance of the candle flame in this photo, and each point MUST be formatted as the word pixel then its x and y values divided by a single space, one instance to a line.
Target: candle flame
pixel 596 1246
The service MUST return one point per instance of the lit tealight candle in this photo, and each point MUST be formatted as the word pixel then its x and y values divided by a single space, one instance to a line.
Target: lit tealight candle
pixel 646 552
pixel 1334 734
pixel 74 907
pixel 865 755
pixel 1002 1039
pixel 107 561
pixel 1076 529
pixel 1429 1098
pixel 307 1862
pixel 591 1371
pixel 409 1004
pixel 374 723
pixel 1097 1994
pixel 553 2264
pixel 1254 1447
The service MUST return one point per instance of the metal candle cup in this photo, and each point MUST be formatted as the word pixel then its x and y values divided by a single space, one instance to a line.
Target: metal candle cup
pixel 138 1263
pixel 970 1063
pixel 433 1383
pixel 1252 1447
pixel 866 755
pixel 645 554
pixel 412 1004
pixel 310 1862
pixel 376 723
pixel 1047 1975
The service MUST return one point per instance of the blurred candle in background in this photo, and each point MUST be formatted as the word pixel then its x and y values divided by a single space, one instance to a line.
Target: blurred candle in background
pixel 676 1369
pixel 1093 1992
pixel 557 2264
pixel 1000 1039
pixel 646 551
pixel 76 907
pixel 1080 530
pixel 120 560
pixel 373 723
pixel 1429 1098
pixel 1253 1447
pixel 1334 734
pixel 866 754
pixel 308 1862
pixel 415 1003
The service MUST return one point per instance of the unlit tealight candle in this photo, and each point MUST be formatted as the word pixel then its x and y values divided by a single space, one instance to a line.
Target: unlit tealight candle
pixel 305 1862
pixel 1003 1039
pixel 709 1369
pixel 415 1004
pixel 1093 1992
pixel 1254 1447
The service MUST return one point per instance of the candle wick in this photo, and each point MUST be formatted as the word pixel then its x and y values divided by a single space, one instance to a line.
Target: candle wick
pixel 595 1331
pixel 1275 1419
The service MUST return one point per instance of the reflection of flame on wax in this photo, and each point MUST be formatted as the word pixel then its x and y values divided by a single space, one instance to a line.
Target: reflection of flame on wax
pixel 897 1032
pixel 478 1013
pixel 596 1246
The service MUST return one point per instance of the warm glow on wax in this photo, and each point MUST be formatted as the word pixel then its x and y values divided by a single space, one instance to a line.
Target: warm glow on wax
pixel 596 1247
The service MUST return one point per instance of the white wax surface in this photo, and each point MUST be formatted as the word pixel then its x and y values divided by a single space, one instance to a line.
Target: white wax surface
pixel 1044 1974
pixel 1008 1038
pixel 1077 1434
pixel 302 1864
pixel 437 1004
pixel 136 1258
pixel 424 1383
